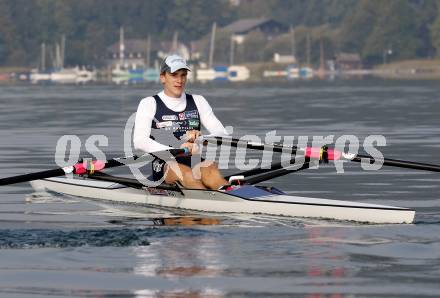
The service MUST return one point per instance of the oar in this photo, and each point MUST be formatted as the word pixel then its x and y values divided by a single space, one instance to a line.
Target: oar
pixel 83 168
pixel 321 153
pixel 233 142
pixel 397 163
pixel 278 172
pixel 130 181
pixel 293 164
pixel 324 153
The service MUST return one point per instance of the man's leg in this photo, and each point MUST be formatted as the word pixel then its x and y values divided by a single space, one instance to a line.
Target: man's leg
pixel 178 172
pixel 210 174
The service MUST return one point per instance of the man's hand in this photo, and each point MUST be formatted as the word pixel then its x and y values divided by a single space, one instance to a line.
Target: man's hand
pixel 191 135
pixel 192 147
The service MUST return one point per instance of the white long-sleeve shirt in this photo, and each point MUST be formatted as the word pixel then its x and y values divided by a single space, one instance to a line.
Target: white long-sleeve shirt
pixel 147 109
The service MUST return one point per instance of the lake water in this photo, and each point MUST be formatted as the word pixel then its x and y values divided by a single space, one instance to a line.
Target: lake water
pixel 66 246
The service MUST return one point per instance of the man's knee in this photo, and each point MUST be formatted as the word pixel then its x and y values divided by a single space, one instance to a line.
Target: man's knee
pixel 207 167
pixel 175 171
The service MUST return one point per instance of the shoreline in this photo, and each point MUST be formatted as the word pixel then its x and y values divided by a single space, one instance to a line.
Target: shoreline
pixel 427 69
pixel 409 69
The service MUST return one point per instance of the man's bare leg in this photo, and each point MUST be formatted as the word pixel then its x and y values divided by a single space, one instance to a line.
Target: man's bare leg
pixel 182 173
pixel 210 175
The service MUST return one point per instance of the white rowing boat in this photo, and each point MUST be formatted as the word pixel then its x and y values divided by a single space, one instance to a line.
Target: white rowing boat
pixel 243 199
pixel 246 198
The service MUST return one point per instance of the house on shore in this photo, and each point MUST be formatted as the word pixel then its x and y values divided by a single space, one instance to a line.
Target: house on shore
pixel 348 61
pixel 241 28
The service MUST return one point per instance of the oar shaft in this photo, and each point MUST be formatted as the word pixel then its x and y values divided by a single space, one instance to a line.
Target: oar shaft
pixel 273 167
pixel 399 163
pixel 335 154
pixel 251 145
pixel 32 176
pixel 129 181
pixel 278 173
pixel 79 168
pixel 51 173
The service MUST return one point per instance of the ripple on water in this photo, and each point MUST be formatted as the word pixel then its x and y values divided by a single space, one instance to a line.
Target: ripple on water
pixel 121 237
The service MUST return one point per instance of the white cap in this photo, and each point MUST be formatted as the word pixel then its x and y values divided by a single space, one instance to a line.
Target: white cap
pixel 173 63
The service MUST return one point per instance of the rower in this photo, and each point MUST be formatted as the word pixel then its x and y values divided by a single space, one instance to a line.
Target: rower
pixel 173 118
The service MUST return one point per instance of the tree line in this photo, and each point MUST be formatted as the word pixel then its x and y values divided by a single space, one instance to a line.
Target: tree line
pixel 402 29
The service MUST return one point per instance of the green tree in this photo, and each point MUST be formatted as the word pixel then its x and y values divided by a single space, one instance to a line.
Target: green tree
pixel 368 27
pixel 395 32
pixel 194 18
pixel 435 32
pixel 7 32
pixel 358 26
pixel 298 12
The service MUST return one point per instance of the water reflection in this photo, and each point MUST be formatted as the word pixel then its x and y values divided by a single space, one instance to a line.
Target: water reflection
pixel 179 293
pixel 323 269
pixel 177 261
pixel 185 221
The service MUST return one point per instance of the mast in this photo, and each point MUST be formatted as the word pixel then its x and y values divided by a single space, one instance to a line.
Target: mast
pixel 321 56
pixel 211 45
pixel 121 46
pixel 63 49
pixel 231 51
pixel 57 56
pixel 51 54
pixel 43 57
pixel 293 45
pixel 174 44
pixel 308 49
pixel 148 54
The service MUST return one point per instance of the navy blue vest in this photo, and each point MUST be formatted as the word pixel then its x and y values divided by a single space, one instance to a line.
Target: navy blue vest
pixel 177 123
pixel 169 126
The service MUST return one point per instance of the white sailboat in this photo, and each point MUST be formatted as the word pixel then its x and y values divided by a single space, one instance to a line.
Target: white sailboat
pixel 40 74
pixel 68 75
pixel 120 72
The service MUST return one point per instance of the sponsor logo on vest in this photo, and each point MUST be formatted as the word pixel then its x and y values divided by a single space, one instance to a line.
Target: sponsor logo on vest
pixel 188 115
pixel 158 165
pixel 193 123
pixel 164 124
pixel 169 117
pixel 191 114
pixel 178 125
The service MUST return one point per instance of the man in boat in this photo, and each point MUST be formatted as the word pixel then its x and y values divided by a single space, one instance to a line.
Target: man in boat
pixel 173 118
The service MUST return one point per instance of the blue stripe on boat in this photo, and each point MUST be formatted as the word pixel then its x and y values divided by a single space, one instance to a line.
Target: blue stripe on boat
pixel 249 192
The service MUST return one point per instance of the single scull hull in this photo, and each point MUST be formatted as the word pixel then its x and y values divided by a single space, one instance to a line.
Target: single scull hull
pixel 247 199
